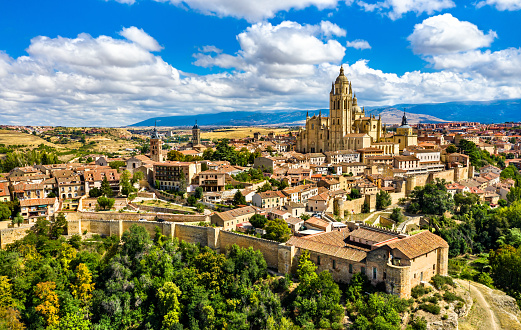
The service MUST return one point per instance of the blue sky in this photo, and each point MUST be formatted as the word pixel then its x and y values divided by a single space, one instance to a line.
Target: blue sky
pixel 110 63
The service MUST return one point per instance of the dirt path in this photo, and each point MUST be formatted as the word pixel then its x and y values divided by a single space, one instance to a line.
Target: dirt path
pixel 485 314
pixel 489 319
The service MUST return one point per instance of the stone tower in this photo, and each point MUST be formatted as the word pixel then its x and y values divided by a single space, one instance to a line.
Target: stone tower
pixel 196 134
pixel 156 147
pixel 340 102
pixel 405 135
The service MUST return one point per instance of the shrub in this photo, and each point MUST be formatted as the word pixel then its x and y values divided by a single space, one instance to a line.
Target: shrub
pixel 419 291
pixel 460 305
pixel 450 297
pixel 444 317
pixel 439 281
pixel 431 299
pixel 418 323
pixel 433 309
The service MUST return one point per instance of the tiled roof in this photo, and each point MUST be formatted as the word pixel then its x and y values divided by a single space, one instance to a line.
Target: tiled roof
pixel 271 194
pixel 4 190
pixel 347 253
pixel 293 220
pixel 418 244
pixel 372 235
pixel 316 222
pixel 37 201
pixel 232 214
pixel 320 197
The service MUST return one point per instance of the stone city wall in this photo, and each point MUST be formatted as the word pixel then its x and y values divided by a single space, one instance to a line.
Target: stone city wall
pixel 447 175
pixel 160 209
pixel 11 235
pixel 269 249
pixel 277 255
pixel 136 216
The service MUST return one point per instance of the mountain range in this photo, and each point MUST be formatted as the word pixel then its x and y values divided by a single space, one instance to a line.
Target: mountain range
pixel 484 112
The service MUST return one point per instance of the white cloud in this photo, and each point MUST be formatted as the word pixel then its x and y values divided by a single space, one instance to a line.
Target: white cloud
pixel 510 5
pixel 251 10
pixel 358 44
pixel 502 65
pixel 331 29
pixel 289 46
pixel 141 38
pixel 445 34
pixel 210 49
pixel 128 2
pixel 106 81
pixel 395 9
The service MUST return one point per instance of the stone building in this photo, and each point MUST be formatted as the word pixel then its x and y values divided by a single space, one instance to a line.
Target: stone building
pixel 156 147
pixel 347 126
pixel 196 135
pixel 399 261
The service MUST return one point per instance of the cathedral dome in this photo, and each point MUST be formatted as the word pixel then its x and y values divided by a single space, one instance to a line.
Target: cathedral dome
pixel 341 78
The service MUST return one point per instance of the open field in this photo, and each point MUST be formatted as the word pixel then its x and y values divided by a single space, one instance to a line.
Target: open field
pixel 240 132
pixel 8 137
pixel 166 205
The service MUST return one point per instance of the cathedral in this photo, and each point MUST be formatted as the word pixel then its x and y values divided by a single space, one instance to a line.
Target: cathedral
pixel 348 128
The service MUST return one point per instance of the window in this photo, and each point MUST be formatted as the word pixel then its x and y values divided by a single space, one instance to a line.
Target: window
pixel 374 273
pixel 362 270
pixel 350 269
pixel 334 264
pixel 318 260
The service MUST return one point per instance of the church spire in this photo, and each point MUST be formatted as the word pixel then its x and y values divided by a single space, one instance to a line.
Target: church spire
pixel 404 118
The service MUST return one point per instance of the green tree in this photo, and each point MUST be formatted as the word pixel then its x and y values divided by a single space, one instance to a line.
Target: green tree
pixel 355 193
pixel 191 200
pixel 264 187
pixel 277 230
pixel 239 199
pixel 136 177
pixel 17 220
pixel 95 192
pixel 366 207
pixel 182 181
pixel 174 155
pixel 169 305
pixel 125 184
pixel 223 151
pixel 451 149
pixel 117 164
pixel 5 211
pixel 397 215
pixel 383 199
pixel 514 194
pixel 105 203
pixel 106 189
pixel 59 226
pixel 432 198
pixel 198 192
pixel 258 221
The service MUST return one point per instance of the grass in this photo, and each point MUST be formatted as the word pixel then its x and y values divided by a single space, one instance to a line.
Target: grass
pixel 166 205
pixel 9 137
pixel 240 132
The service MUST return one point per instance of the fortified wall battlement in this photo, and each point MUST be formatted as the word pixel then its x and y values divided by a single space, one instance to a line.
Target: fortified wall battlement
pixel 278 256
pixel 136 216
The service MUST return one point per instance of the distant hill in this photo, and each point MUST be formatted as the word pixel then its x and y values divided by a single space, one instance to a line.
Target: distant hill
pixel 485 112
pixel 236 118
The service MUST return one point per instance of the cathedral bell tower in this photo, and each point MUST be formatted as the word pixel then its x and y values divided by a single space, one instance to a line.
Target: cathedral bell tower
pixel 340 111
